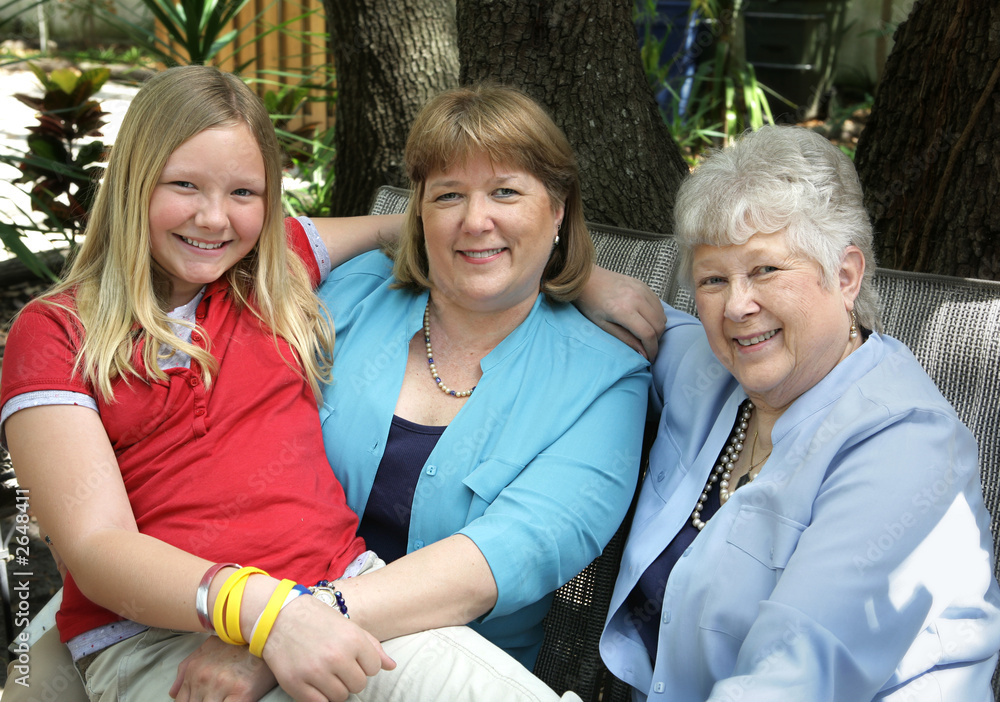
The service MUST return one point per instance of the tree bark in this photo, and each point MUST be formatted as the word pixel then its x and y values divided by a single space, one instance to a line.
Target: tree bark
pixel 580 59
pixel 391 56
pixel 928 157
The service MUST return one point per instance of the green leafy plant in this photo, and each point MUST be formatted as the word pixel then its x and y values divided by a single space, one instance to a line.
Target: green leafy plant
pixel 107 54
pixel 692 128
pixel 313 178
pixel 11 10
pixel 310 155
pixel 724 96
pixel 197 31
pixel 283 104
pixel 59 174
pixel 651 47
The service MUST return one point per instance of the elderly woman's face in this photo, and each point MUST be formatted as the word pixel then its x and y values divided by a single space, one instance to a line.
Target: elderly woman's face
pixel 489 231
pixel 769 318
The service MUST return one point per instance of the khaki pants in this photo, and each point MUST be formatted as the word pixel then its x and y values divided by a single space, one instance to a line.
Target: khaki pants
pixel 453 663
pixel 46 674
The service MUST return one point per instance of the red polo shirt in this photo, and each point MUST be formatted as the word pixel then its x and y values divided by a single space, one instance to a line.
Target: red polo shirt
pixel 234 472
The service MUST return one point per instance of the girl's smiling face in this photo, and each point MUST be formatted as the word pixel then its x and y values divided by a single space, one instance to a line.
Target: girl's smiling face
pixel 207 208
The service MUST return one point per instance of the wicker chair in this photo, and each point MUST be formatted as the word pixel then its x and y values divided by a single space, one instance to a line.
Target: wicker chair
pixel 952 325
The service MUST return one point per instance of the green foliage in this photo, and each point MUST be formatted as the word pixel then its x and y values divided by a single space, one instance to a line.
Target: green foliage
pixel 695 129
pixel 725 97
pixel 650 47
pixel 835 126
pixel 11 10
pixel 310 155
pixel 60 176
pixel 314 171
pixel 196 29
pixel 109 53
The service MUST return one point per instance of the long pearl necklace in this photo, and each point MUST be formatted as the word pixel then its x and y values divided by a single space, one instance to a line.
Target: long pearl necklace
pixel 430 358
pixel 727 460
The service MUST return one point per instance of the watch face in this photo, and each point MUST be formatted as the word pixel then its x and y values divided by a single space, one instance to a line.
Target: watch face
pixel 324 596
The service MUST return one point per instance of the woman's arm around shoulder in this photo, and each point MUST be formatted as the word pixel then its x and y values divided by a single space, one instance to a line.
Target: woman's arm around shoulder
pixel 347 237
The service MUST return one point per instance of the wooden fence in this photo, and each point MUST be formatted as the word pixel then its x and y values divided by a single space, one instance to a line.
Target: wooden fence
pixel 295 53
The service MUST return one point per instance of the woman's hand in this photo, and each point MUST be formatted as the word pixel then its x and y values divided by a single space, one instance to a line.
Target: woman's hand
pixel 218 670
pixel 625 308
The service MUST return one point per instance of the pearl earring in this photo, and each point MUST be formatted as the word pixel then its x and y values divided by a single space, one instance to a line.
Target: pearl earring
pixel 555 242
pixel 854 325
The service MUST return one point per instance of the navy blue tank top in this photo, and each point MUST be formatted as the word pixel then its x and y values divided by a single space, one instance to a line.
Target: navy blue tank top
pixel 385 525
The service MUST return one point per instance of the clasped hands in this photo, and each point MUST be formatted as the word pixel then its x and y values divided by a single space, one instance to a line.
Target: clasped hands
pixel 313 652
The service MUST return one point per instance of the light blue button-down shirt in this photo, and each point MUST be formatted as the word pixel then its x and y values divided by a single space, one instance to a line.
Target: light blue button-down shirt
pixel 858 564
pixel 538 468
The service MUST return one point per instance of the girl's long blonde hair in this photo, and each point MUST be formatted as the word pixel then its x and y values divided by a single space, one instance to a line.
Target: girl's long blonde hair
pixel 121 292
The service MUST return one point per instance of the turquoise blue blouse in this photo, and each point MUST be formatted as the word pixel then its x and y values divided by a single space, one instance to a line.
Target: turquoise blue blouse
pixel 539 466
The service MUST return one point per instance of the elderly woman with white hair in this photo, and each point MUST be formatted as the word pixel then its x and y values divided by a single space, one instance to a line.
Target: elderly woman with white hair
pixel 811 525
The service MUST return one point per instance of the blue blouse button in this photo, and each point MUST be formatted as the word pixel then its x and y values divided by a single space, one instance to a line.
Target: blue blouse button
pixel 431 470
pixel 666 617
pixel 659 687
pixel 418 544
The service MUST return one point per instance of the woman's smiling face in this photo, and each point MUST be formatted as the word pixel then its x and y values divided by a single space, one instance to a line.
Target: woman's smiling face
pixel 770 318
pixel 489 231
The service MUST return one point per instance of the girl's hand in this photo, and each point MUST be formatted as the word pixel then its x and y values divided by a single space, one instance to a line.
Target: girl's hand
pixel 316 654
pixel 625 308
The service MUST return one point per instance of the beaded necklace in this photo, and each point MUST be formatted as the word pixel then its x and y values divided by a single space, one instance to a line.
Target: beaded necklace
pixel 430 358
pixel 724 466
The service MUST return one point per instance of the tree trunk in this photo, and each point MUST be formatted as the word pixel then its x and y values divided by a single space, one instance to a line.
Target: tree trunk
pixel 391 56
pixel 580 59
pixel 928 157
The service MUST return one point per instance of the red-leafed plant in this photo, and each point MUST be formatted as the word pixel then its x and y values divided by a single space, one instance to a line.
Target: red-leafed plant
pixel 60 174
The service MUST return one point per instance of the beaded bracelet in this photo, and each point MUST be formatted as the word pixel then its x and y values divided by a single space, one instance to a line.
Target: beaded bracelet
pixel 226 612
pixel 325 593
pixel 201 595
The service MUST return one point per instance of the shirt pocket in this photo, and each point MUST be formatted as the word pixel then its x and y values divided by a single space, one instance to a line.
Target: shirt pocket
pixel 488 480
pixel 758 546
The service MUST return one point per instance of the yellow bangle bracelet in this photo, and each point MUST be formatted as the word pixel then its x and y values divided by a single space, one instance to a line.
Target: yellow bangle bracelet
pixel 233 605
pixel 268 617
pixel 224 608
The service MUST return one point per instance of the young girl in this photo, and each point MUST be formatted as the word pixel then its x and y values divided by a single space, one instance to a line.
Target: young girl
pixel 160 407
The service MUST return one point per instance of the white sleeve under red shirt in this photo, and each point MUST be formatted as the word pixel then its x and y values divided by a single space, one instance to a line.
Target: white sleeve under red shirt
pixel 233 472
